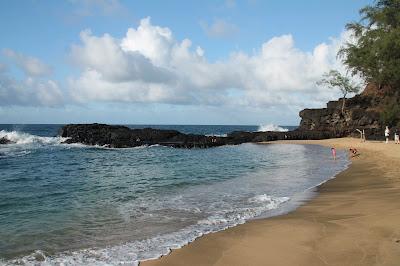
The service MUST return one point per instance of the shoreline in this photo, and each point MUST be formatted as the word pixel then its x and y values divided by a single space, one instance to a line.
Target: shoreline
pixel 351 221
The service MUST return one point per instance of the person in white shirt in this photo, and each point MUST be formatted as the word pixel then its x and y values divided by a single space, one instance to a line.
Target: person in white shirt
pixel 387 133
pixel 396 137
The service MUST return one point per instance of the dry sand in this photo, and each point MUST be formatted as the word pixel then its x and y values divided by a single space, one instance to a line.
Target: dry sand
pixel 354 220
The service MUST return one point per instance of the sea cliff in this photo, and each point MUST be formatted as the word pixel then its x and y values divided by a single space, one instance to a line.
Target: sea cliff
pixel 362 112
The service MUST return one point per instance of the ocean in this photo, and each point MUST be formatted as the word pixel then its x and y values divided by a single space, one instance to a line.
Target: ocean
pixel 80 205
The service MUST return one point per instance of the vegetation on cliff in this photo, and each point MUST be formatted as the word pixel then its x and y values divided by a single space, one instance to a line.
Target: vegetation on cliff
pixel 333 79
pixel 390 116
pixel 374 55
pixel 375 52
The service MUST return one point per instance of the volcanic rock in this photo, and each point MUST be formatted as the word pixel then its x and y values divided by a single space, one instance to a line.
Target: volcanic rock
pixel 4 140
pixel 124 137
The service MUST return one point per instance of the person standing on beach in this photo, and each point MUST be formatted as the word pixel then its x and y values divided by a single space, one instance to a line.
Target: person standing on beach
pixel 387 133
pixel 333 150
pixel 396 136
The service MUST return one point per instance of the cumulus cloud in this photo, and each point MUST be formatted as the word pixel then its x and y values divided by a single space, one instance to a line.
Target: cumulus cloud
pixel 149 65
pixel 32 89
pixel 29 92
pixel 219 29
pixel 106 56
pixel 31 66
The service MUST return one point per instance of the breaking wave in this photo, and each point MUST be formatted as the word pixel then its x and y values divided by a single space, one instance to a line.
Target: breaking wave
pixel 24 143
pixel 24 138
pixel 272 127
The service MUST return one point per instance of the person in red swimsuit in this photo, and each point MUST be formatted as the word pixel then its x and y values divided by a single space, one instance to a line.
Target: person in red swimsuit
pixel 333 150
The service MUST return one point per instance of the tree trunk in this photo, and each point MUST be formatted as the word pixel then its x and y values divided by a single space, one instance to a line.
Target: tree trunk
pixel 343 104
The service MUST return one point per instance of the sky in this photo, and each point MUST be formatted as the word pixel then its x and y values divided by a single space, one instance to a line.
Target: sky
pixel 249 62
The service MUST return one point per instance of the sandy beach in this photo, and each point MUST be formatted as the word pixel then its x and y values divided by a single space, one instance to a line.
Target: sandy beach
pixel 354 220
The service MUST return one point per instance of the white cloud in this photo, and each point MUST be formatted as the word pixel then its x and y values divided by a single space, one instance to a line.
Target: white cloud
pixel 32 89
pixel 150 65
pixel 154 42
pixel 106 56
pixel 219 29
pixel 92 86
pixel 31 66
pixel 29 92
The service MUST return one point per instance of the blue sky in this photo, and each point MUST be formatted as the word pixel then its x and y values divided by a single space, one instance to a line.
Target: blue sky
pixel 181 62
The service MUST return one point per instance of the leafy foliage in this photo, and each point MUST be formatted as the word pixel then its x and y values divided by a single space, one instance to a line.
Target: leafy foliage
pixel 333 79
pixel 391 115
pixel 375 54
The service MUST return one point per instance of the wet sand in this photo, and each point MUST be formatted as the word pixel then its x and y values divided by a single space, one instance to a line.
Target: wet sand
pixel 354 220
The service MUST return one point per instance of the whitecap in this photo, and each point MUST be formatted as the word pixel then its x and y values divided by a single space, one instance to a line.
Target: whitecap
pixel 271 127
pixel 24 138
pixel 217 135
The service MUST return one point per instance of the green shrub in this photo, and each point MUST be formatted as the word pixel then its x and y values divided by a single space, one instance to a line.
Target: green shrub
pixel 375 53
pixel 391 115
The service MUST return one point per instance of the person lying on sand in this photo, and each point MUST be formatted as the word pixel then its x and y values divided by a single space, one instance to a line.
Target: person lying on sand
pixel 353 152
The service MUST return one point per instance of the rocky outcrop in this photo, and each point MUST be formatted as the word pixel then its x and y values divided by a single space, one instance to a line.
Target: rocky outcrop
pixel 124 137
pixel 361 112
pixel 4 140
pixel 242 137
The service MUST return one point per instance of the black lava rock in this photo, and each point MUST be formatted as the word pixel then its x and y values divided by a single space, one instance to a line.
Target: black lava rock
pixel 4 140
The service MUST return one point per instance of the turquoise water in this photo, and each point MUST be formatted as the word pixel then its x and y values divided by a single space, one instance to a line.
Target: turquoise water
pixel 84 205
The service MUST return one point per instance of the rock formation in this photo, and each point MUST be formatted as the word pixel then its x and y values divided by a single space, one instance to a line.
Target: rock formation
pixel 124 137
pixel 362 112
pixel 4 140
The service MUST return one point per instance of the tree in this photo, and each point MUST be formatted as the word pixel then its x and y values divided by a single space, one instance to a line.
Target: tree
pixel 391 114
pixel 333 79
pixel 375 53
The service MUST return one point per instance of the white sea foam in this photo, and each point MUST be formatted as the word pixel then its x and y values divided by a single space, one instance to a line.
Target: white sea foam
pixel 23 143
pixel 216 135
pixel 273 201
pixel 133 252
pixel 25 138
pixel 272 127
